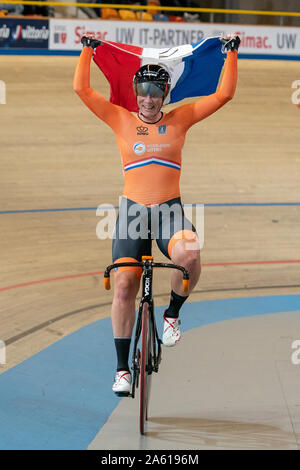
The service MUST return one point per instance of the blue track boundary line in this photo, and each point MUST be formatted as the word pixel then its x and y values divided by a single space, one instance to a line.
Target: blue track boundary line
pixel 222 204
pixel 47 52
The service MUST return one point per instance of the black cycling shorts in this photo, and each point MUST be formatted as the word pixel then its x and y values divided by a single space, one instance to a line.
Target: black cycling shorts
pixel 138 225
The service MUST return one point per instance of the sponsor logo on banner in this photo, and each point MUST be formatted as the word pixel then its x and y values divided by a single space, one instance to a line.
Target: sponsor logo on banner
pixel 253 41
pixel 83 30
pixel 67 34
pixel 32 33
pixel 4 32
pixel 17 33
pixel 60 37
pixel 24 33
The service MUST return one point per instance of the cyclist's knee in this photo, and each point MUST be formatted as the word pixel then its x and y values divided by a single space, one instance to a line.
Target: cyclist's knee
pixel 192 260
pixel 186 256
pixel 126 285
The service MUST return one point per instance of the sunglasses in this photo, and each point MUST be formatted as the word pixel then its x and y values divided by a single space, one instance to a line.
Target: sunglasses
pixel 148 88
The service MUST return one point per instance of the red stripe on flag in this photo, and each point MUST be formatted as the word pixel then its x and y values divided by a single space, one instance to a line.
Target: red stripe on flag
pixel 116 64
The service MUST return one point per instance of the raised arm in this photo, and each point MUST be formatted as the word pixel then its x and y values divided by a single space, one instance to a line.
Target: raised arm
pixel 195 112
pixel 227 86
pixel 99 105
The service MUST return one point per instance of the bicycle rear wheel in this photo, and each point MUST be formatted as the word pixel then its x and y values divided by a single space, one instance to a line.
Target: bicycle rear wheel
pixel 145 378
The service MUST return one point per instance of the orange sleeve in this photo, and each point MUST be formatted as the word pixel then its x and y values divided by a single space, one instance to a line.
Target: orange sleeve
pixel 100 106
pixel 195 112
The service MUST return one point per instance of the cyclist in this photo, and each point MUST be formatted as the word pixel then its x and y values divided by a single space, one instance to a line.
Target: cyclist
pixel 150 143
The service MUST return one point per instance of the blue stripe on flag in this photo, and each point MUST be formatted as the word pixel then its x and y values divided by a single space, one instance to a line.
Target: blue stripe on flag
pixel 201 72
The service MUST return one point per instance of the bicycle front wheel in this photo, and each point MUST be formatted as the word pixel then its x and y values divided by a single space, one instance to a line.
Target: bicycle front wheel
pixel 144 368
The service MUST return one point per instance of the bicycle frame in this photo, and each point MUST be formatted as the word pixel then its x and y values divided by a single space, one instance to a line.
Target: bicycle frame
pixel 146 360
pixel 155 346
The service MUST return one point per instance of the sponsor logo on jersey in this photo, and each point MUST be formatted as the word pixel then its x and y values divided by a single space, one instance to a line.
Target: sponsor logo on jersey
pixel 162 129
pixel 142 130
pixel 139 148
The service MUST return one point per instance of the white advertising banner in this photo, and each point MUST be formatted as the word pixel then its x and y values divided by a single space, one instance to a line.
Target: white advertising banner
pixel 255 40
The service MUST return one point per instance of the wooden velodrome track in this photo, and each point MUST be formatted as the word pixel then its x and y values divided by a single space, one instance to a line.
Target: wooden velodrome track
pixel 55 154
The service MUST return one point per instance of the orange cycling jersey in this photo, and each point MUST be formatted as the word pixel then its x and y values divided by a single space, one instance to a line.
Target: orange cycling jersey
pixel 151 153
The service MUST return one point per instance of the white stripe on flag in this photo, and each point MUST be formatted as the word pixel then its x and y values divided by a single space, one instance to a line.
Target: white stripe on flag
pixel 171 60
pixel 168 54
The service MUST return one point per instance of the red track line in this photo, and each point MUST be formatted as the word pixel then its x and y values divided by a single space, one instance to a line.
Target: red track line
pixel 72 276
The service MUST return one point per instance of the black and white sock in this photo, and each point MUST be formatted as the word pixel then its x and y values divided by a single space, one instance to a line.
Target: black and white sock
pixel 176 303
pixel 122 349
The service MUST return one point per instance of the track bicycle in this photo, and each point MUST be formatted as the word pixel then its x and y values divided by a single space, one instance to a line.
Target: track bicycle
pixel 146 356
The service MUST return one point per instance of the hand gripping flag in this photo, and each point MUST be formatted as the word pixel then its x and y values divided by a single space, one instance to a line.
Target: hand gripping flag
pixel 194 69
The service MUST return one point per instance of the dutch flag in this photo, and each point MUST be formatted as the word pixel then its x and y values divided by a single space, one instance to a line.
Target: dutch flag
pixel 194 69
